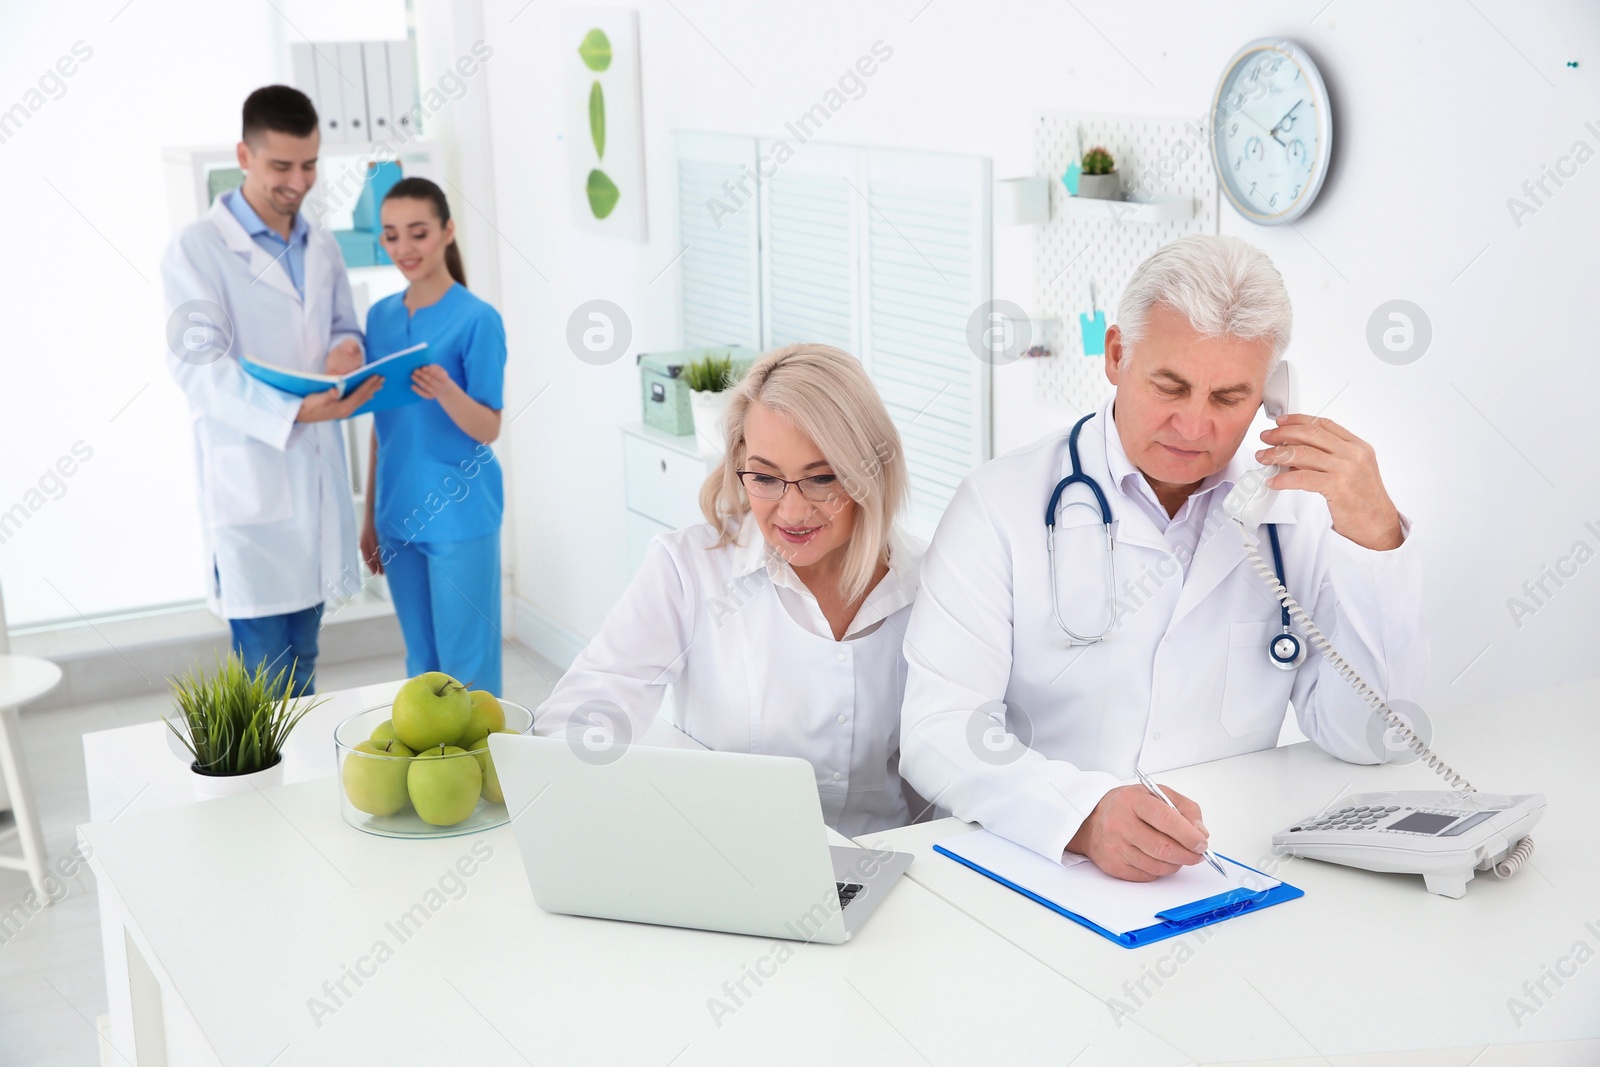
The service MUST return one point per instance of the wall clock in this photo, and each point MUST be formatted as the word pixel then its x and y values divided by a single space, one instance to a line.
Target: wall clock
pixel 1272 131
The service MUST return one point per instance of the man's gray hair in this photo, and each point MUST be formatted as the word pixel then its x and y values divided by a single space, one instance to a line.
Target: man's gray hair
pixel 1222 285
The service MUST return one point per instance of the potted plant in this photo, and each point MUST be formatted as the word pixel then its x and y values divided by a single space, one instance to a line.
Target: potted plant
pixel 709 378
pixel 235 722
pixel 1099 180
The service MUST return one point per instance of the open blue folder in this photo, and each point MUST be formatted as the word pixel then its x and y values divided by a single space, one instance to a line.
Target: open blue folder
pixel 395 392
pixel 1128 913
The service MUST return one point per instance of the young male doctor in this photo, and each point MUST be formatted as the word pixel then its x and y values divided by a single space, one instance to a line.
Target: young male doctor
pixel 253 278
pixel 1182 675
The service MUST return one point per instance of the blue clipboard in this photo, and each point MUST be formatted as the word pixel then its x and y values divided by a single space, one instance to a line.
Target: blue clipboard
pixel 1175 920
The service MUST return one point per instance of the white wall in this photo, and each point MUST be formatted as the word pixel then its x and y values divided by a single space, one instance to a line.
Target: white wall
pixel 1442 113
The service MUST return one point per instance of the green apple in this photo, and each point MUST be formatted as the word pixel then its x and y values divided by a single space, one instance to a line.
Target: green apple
pixel 384 731
pixel 488 717
pixel 375 780
pixel 431 709
pixel 491 778
pixel 444 785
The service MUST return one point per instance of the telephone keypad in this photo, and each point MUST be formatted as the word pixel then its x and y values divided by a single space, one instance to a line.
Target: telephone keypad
pixel 1354 817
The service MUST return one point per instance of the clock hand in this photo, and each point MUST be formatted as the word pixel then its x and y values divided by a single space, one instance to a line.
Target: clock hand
pixel 1257 123
pixel 1286 114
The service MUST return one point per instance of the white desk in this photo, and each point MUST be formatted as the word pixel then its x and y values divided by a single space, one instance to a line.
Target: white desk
pixel 240 909
pixel 1363 963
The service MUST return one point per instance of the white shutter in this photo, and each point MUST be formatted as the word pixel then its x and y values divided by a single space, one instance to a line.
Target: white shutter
pixel 883 254
pixel 720 270
pixel 926 270
pixel 810 252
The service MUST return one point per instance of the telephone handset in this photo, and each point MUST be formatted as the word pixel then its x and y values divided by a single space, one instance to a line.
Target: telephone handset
pixel 1247 501
pixel 1445 836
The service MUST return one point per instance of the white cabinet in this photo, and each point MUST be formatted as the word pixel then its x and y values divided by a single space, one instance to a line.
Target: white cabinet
pixel 640 531
pixel 662 476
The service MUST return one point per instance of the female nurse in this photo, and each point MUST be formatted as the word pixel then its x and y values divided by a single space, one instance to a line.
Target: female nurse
pixel 776 625
pixel 433 517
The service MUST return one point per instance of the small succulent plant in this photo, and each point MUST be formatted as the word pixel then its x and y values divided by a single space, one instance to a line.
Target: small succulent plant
pixel 1098 161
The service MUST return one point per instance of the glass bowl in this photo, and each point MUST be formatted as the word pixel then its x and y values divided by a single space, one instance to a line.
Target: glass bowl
pixel 379 780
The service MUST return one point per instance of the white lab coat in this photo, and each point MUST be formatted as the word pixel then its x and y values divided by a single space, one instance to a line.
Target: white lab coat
pixel 274 495
pixel 1183 679
pixel 751 665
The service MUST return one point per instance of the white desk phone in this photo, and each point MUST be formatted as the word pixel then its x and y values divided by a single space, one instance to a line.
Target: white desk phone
pixel 1444 835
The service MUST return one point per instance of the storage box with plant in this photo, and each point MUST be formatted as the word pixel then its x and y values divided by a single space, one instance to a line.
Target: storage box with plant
pixel 664 393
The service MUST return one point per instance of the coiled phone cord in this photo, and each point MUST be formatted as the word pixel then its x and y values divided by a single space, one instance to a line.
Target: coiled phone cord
pixel 1324 646
pixel 1524 848
pixel 1515 858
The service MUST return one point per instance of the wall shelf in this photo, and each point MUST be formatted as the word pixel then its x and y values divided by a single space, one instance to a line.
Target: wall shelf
pixel 1150 212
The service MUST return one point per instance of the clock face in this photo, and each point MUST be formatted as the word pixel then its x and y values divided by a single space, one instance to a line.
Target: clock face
pixel 1272 131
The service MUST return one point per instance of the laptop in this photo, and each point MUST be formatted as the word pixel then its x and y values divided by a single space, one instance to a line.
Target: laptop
pixel 725 841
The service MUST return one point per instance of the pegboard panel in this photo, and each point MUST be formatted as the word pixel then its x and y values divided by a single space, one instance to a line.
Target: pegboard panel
pixel 1156 157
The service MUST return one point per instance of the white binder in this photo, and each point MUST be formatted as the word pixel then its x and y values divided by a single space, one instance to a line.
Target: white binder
pixel 330 97
pixel 303 62
pixel 380 113
pixel 402 91
pixel 353 87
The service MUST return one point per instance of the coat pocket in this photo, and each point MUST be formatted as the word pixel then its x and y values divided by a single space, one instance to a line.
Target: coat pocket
pixel 1256 693
pixel 247 484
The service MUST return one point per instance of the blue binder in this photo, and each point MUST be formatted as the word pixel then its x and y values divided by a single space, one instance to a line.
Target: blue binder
pixel 396 369
pixel 1174 921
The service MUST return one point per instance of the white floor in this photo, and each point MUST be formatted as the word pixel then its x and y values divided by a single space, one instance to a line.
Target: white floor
pixel 52 982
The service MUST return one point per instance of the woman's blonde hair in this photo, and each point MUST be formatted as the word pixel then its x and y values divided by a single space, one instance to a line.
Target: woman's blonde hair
pixel 828 397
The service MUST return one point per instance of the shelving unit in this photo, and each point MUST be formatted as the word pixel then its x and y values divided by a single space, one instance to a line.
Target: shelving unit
pixel 189 170
pixel 1098 243
pixel 1150 212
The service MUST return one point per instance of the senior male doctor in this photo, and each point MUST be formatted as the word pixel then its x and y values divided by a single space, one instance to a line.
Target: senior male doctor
pixel 1183 675
pixel 253 278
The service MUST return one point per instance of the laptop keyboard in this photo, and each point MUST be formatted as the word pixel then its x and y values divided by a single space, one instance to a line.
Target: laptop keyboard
pixel 848 891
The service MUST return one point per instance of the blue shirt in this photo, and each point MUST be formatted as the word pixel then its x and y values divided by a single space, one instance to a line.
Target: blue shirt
pixel 434 482
pixel 269 240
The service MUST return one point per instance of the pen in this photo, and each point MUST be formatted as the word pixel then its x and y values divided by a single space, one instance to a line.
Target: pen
pixel 1148 784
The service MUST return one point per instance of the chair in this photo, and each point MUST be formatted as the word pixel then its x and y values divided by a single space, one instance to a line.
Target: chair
pixel 22 678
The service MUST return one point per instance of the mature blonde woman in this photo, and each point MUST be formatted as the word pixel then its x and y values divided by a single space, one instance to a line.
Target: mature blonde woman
pixel 776 625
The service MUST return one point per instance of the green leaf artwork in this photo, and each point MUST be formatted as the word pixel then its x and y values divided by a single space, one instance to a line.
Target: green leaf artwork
pixel 595 50
pixel 603 194
pixel 597 120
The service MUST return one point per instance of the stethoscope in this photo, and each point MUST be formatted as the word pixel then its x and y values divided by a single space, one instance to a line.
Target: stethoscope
pixel 1285 650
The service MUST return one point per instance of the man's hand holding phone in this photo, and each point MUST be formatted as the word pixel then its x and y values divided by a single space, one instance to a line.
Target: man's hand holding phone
pixel 1320 456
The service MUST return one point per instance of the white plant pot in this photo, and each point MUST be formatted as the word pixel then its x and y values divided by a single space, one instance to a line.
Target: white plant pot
pixel 710 412
pixel 211 786
pixel 1100 186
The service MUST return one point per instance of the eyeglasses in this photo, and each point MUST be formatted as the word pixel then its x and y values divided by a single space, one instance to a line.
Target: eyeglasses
pixel 819 488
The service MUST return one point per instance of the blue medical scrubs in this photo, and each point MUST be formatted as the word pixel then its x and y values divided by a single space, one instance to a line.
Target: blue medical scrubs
pixel 439 492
